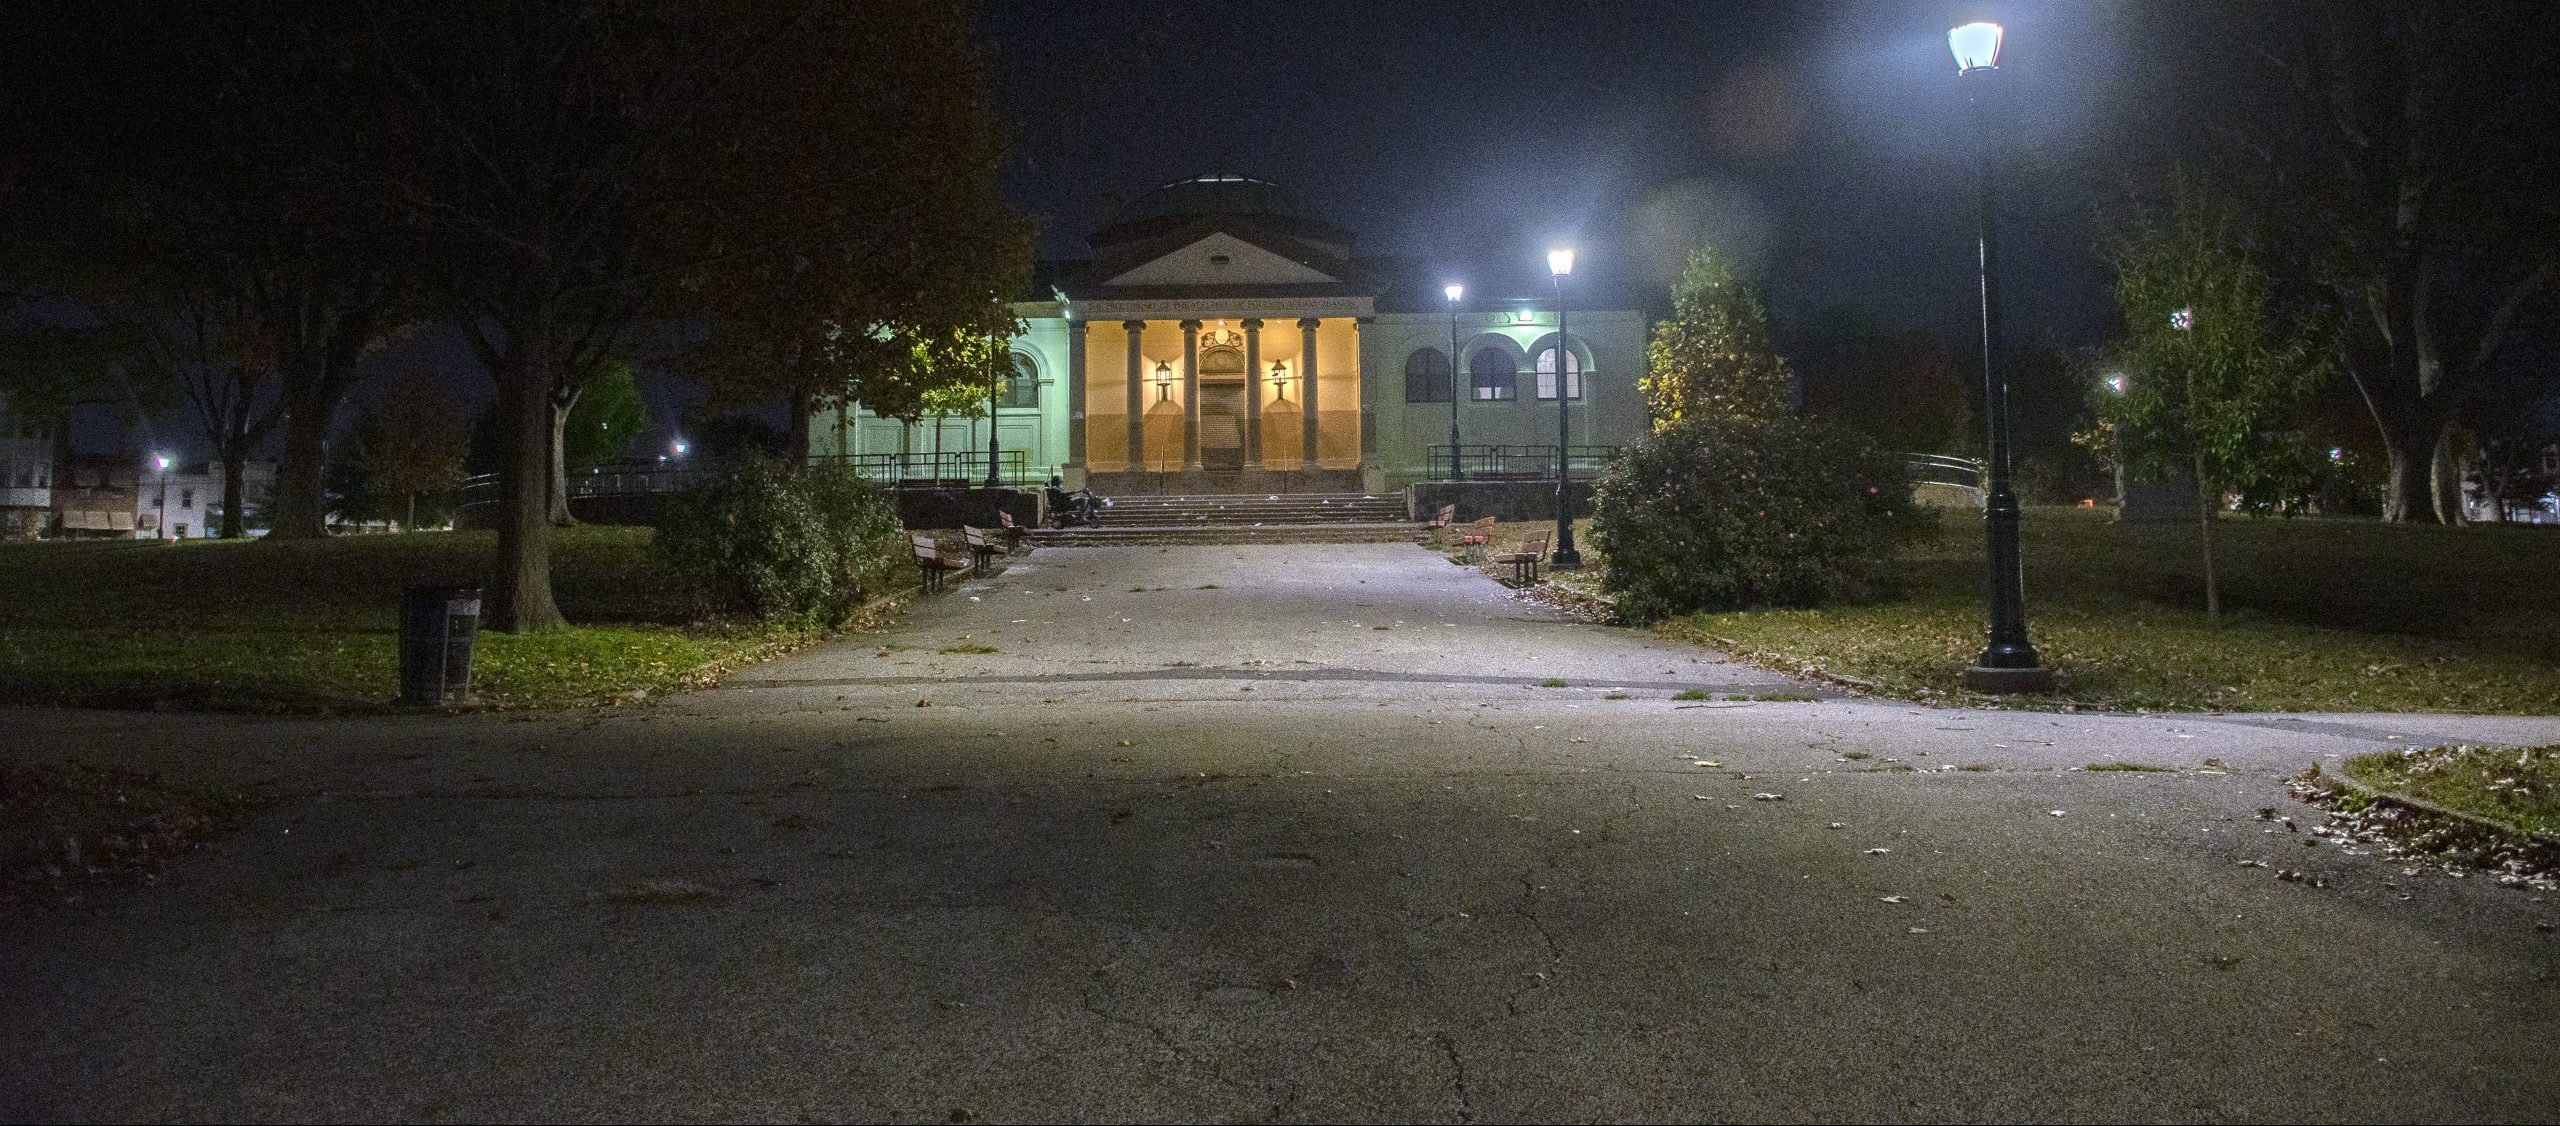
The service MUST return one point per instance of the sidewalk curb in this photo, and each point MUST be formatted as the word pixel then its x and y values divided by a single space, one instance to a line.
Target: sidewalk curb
pixel 2339 781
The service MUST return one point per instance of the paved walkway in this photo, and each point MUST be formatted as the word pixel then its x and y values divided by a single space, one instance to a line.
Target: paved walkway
pixel 1228 850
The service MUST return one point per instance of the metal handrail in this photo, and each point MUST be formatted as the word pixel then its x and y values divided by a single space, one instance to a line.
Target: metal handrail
pixel 1943 469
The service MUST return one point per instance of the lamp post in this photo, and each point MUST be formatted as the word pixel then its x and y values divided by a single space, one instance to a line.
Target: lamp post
pixel 160 524
pixel 995 394
pixel 1559 264
pixel 2008 662
pixel 1457 458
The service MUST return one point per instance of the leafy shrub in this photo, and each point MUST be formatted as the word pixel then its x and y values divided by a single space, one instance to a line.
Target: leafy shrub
pixel 804 547
pixel 1713 514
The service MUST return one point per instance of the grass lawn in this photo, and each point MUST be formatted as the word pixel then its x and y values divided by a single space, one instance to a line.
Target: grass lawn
pixel 301 626
pixel 2320 615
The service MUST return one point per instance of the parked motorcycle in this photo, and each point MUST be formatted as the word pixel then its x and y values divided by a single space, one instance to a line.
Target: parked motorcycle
pixel 1079 509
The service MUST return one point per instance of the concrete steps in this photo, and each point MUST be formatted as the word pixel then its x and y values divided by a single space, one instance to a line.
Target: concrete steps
pixel 1214 518
pixel 1139 535
pixel 1239 509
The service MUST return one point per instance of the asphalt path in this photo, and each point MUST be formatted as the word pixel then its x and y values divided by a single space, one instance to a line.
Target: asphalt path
pixel 1272 833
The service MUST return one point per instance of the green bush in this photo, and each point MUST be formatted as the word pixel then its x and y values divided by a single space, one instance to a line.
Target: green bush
pixel 802 548
pixel 1714 514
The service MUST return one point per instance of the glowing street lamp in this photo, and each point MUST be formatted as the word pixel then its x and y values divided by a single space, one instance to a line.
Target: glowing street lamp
pixel 680 447
pixel 1280 379
pixel 1164 380
pixel 1976 47
pixel 1559 264
pixel 1457 453
pixel 160 528
pixel 2008 662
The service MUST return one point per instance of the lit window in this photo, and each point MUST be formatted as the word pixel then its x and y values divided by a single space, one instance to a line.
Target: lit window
pixel 1547 374
pixel 1492 377
pixel 1426 377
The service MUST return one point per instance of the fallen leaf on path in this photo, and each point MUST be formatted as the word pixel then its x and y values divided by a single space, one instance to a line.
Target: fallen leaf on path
pixel 1768 797
pixel 1893 898
pixel 1879 851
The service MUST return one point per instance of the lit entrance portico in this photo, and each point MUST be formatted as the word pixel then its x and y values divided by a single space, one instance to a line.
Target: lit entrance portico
pixel 1224 339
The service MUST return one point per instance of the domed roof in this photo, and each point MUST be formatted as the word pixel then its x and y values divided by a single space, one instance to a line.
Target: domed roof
pixel 1215 193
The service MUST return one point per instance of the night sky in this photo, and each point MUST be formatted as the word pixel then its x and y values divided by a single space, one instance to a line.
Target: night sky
pixel 1826 145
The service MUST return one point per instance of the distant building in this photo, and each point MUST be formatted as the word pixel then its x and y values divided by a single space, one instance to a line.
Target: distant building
pixel 187 501
pixel 94 496
pixel 26 475
pixel 1224 338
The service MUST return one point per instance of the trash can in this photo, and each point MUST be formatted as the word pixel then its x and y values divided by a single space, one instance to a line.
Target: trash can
pixel 437 624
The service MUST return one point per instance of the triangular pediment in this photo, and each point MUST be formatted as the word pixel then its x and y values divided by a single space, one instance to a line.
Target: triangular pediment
pixel 1220 258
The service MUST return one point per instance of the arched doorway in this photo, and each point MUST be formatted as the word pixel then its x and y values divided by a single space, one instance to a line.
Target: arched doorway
pixel 1222 391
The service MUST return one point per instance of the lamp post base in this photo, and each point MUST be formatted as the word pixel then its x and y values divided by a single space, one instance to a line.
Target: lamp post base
pixel 1565 561
pixel 2001 682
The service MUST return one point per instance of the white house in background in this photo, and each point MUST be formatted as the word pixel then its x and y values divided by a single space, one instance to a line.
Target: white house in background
pixel 191 499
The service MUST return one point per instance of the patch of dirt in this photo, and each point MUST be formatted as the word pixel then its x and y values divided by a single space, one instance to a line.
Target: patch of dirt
pixel 66 829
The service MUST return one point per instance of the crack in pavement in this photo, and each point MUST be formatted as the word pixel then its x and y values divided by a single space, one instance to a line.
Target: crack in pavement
pixel 1457 1075
pixel 1555 951
pixel 1163 1040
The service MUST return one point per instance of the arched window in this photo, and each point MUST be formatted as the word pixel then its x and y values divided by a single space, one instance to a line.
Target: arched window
pixel 1426 376
pixel 1022 388
pixel 1492 376
pixel 1547 373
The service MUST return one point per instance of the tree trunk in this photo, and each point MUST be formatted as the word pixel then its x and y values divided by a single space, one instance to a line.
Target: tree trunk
pixel 519 595
pixel 557 480
pixel 300 507
pixel 2444 477
pixel 2208 506
pixel 235 523
pixel 803 408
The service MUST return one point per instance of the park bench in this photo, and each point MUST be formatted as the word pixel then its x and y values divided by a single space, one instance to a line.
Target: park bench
pixel 1472 541
pixel 1442 519
pixel 1524 562
pixel 929 560
pixel 1013 533
pixel 982 551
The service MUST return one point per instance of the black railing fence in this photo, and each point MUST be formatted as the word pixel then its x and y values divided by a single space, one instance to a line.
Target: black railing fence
pixel 898 471
pixel 1512 463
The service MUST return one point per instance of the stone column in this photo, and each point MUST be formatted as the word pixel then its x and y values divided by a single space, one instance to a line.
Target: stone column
pixel 1368 396
pixel 1253 393
pixel 1308 401
pixel 1137 397
pixel 1075 393
pixel 1191 395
